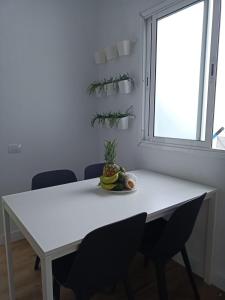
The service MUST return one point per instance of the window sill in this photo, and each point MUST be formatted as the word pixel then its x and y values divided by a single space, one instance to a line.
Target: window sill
pixel 214 153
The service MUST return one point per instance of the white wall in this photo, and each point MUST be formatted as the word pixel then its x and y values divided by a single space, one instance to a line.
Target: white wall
pixel 120 20
pixel 46 62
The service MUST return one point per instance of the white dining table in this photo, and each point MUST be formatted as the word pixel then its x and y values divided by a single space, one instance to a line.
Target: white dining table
pixel 55 220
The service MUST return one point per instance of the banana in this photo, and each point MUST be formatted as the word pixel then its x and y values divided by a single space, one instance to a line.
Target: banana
pixel 111 179
pixel 109 186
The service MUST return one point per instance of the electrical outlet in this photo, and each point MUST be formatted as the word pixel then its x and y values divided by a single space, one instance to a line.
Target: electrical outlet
pixel 14 148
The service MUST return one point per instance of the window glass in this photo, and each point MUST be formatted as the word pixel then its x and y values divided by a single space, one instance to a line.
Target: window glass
pixel 178 74
pixel 219 115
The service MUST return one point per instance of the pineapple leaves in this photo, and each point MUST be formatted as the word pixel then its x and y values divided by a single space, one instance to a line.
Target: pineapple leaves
pixel 110 151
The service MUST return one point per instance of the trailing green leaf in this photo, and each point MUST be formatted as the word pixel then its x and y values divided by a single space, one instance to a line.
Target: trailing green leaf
pixel 94 86
pixel 101 84
pixel 124 76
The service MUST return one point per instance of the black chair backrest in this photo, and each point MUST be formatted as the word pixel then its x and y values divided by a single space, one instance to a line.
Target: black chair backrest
pixel 93 171
pixel 52 178
pixel 105 253
pixel 177 230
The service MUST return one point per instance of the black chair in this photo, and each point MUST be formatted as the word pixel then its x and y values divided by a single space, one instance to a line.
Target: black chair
pixel 48 179
pixel 101 261
pixel 163 239
pixel 93 171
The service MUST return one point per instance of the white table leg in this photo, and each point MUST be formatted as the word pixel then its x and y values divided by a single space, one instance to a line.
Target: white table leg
pixel 9 259
pixel 210 238
pixel 46 273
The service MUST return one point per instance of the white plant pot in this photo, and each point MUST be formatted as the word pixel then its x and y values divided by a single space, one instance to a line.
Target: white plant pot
pixel 123 123
pixel 125 86
pixel 100 92
pixel 124 47
pixel 100 57
pixel 111 52
pixel 106 124
pixel 110 89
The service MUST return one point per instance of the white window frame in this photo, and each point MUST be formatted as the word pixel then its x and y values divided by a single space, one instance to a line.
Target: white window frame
pixel 148 27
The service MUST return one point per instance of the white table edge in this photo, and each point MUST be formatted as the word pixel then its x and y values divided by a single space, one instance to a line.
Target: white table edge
pixel 47 257
pixel 73 246
pixel 22 228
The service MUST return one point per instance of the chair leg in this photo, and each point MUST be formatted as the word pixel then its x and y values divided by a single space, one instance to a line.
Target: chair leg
pixel 129 293
pixel 37 262
pixel 161 280
pixel 190 273
pixel 56 290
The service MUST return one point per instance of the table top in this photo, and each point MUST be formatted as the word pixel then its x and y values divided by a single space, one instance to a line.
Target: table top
pixel 61 216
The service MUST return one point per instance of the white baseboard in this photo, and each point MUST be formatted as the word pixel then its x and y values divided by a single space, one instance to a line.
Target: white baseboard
pixel 218 279
pixel 15 236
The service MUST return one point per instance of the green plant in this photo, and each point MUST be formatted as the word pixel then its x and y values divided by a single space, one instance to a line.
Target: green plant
pixel 100 118
pixel 110 80
pixel 127 113
pixel 100 85
pixel 124 76
pixel 94 86
pixel 112 117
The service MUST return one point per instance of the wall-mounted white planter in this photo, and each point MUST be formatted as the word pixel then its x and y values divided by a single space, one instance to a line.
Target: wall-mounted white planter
pixel 106 124
pixel 110 89
pixel 124 47
pixel 125 86
pixel 119 123
pixel 100 92
pixel 100 57
pixel 111 53
pixel 123 123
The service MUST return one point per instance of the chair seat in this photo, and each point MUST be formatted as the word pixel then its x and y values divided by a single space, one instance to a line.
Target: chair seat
pixel 152 234
pixel 62 266
pixel 93 171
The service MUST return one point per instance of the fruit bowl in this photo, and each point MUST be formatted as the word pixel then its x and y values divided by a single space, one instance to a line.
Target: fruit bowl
pixel 123 191
pixel 114 177
pixel 121 182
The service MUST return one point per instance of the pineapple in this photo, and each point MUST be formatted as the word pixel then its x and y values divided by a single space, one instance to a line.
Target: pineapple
pixel 110 168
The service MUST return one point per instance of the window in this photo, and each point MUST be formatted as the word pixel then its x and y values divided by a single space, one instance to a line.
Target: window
pixel 180 64
pixel 219 116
